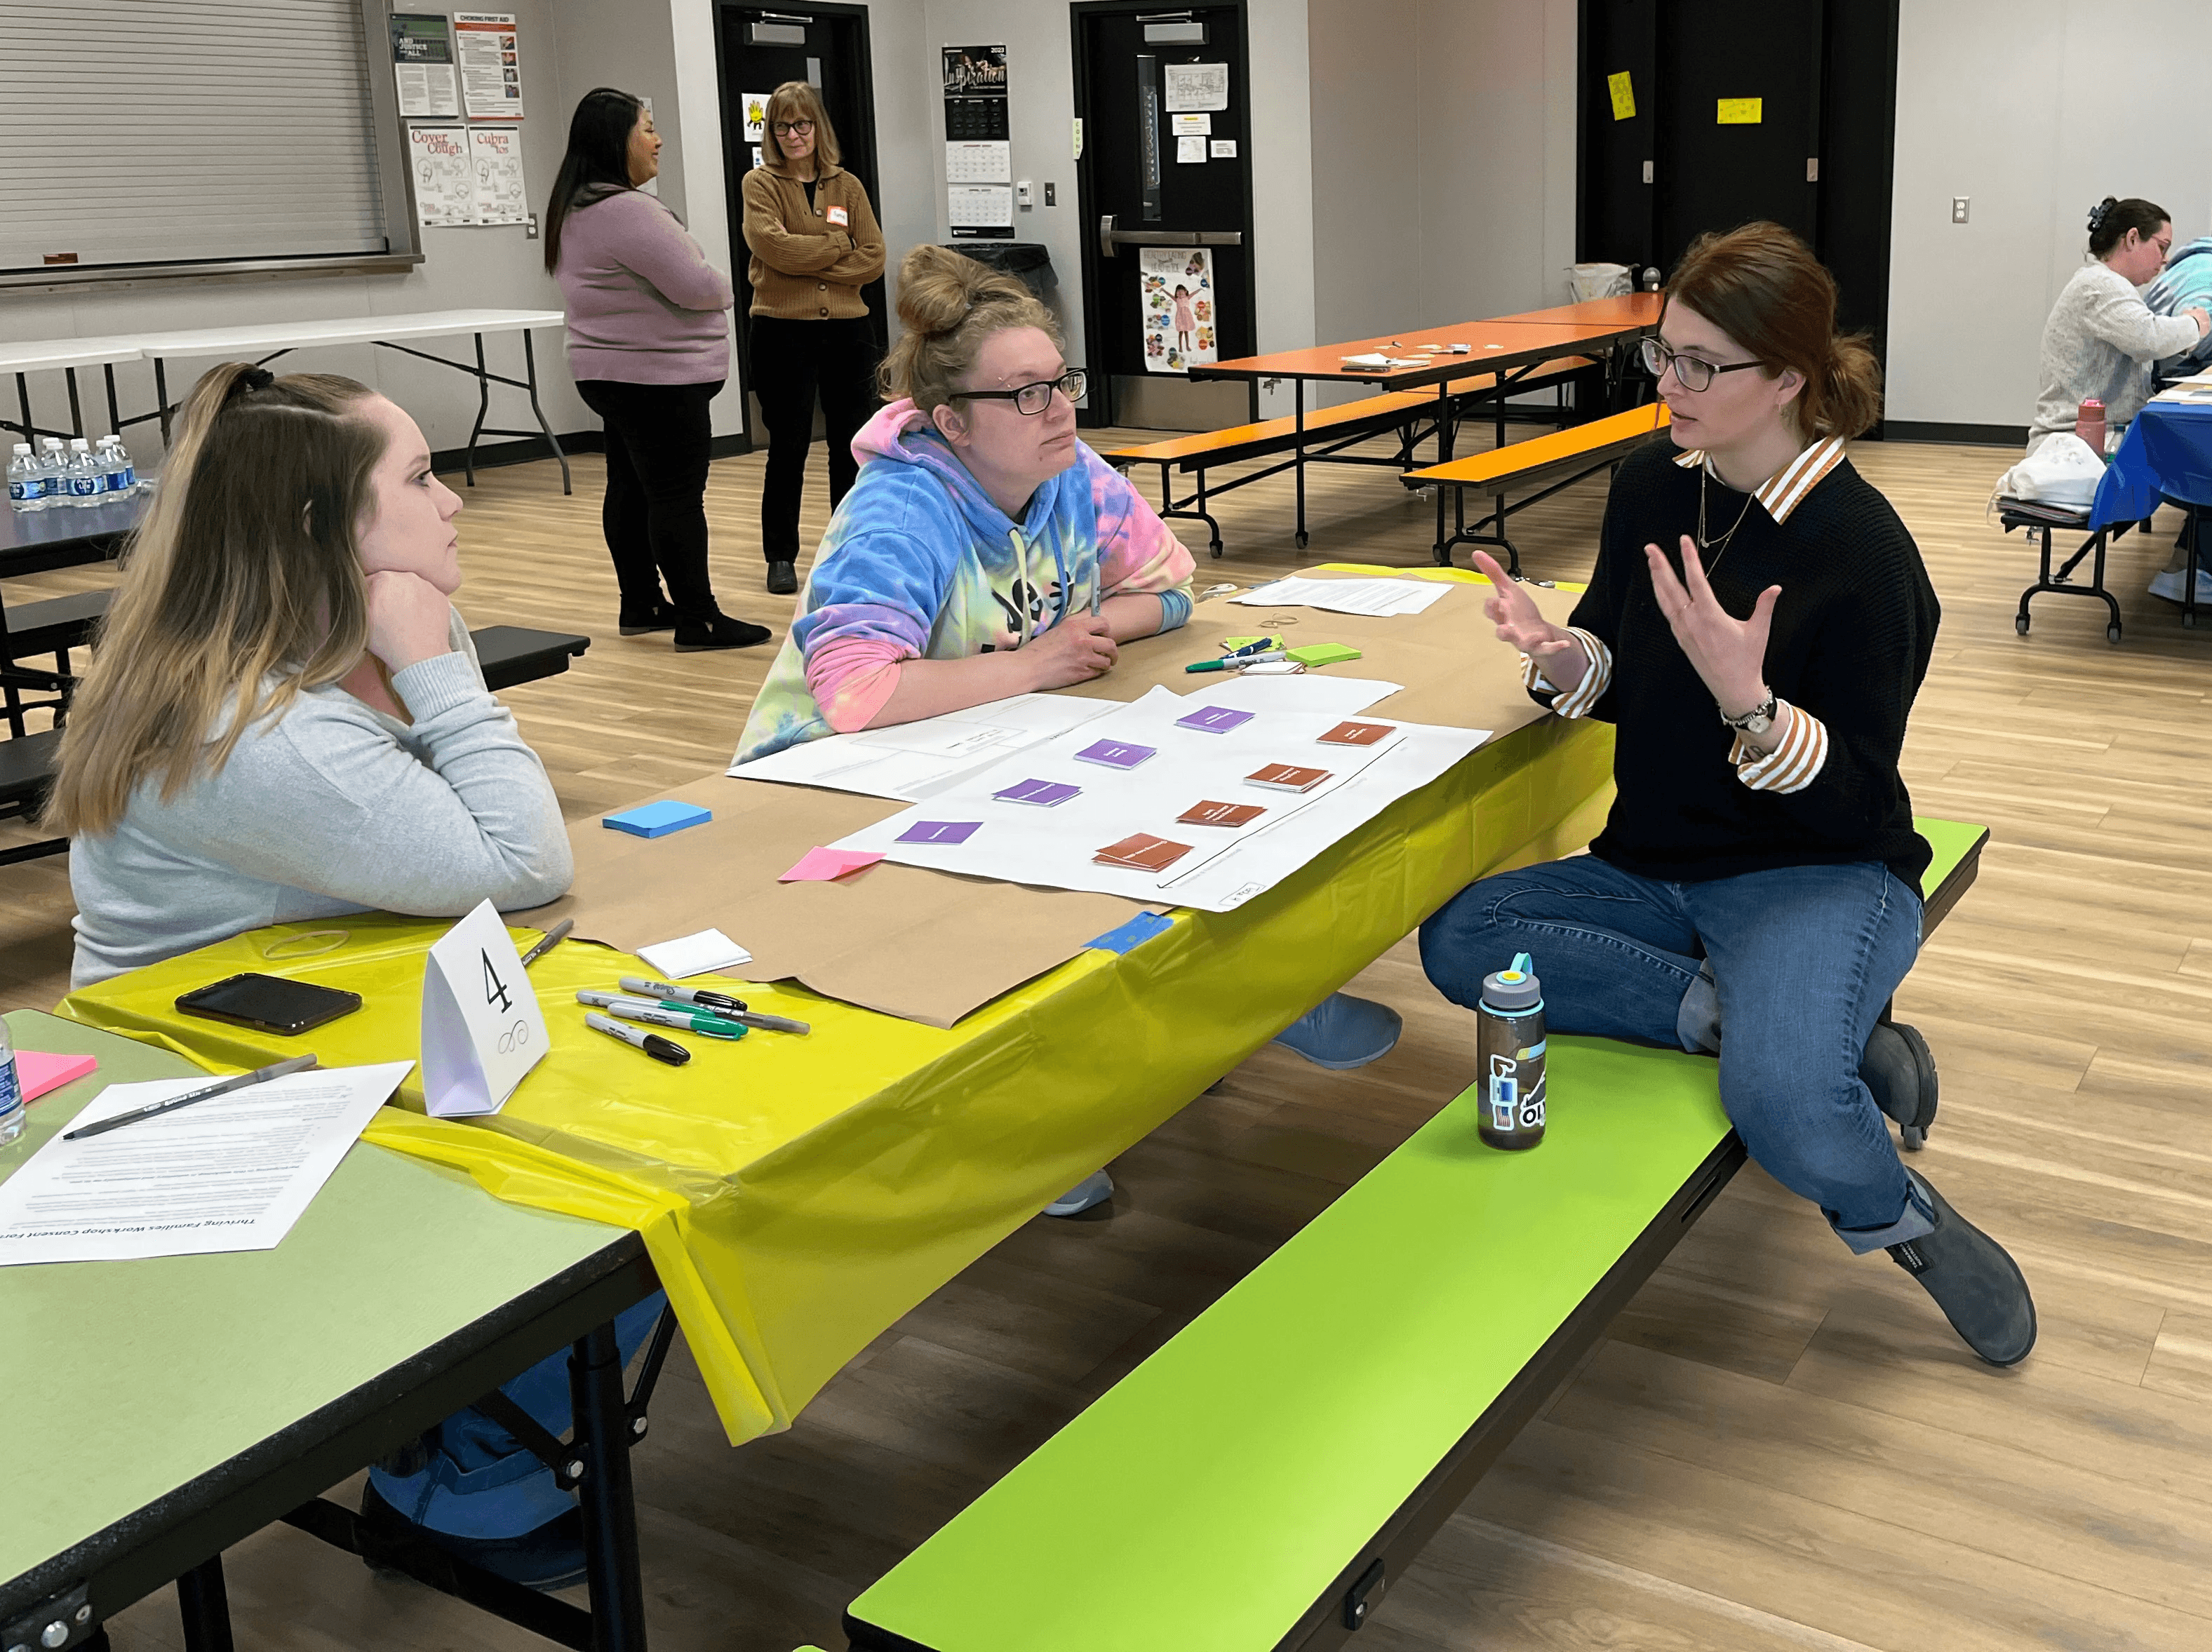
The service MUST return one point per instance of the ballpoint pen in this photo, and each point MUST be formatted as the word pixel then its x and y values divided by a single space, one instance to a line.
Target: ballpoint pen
pixel 153 1110
pixel 546 942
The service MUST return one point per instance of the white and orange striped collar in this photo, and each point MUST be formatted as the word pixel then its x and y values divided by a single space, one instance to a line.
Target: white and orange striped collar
pixel 1782 492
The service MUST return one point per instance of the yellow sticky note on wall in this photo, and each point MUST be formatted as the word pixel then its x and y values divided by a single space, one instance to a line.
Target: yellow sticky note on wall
pixel 1740 112
pixel 1624 95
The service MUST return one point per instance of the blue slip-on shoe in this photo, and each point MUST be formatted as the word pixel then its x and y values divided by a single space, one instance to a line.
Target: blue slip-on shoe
pixel 1342 1031
pixel 1094 1189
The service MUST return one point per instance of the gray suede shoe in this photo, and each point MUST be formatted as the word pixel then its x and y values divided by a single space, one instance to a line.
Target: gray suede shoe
pixel 1974 1281
pixel 1900 1069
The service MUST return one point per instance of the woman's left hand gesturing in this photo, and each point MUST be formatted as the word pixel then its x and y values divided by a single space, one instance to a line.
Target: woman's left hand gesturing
pixel 1729 653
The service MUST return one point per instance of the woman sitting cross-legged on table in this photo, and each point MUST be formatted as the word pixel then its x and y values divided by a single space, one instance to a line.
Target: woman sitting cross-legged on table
pixel 984 551
pixel 1757 626
pixel 285 721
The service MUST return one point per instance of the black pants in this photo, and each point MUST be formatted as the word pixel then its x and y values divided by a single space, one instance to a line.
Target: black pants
pixel 654 515
pixel 792 361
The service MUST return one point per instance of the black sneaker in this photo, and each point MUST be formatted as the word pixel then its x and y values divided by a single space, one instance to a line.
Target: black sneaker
pixel 1900 1069
pixel 783 579
pixel 1974 1281
pixel 550 1557
pixel 694 637
pixel 659 617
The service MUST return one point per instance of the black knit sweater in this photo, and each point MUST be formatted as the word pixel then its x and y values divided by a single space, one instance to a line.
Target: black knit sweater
pixel 1852 633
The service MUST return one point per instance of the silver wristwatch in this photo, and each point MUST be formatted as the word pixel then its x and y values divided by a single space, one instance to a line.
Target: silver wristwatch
pixel 1757 720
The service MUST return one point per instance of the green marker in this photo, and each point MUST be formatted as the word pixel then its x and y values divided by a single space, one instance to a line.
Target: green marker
pixel 1208 665
pixel 652 1012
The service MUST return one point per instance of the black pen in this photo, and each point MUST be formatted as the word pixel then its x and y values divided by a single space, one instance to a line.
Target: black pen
pixel 546 942
pixel 154 1110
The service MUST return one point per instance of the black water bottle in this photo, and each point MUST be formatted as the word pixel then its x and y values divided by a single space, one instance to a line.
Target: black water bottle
pixel 1510 1047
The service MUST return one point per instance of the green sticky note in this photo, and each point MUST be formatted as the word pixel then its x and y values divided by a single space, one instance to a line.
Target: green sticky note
pixel 1624 95
pixel 1741 112
pixel 1323 653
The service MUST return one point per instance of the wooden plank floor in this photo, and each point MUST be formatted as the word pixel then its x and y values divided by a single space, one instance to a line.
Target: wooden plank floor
pixel 1779 1447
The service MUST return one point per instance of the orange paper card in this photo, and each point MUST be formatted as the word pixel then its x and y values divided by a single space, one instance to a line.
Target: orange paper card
pixel 1221 814
pixel 1140 852
pixel 1356 733
pixel 1288 777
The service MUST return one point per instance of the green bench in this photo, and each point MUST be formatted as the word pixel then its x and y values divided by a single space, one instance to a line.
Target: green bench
pixel 1261 1480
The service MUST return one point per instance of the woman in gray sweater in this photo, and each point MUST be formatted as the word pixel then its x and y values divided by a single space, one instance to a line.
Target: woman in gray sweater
pixel 284 719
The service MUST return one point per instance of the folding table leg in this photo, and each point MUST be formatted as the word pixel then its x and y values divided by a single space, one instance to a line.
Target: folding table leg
pixel 204 1606
pixel 609 1510
pixel 530 372
pixel 1298 453
pixel 76 412
pixel 484 407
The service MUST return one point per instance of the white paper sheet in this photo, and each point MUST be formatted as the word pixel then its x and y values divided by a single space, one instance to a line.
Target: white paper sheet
pixel 231 1172
pixel 1225 867
pixel 702 954
pixel 1312 692
pixel 914 761
pixel 1376 598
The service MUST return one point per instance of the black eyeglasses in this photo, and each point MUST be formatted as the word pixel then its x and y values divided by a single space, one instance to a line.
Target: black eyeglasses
pixel 1033 397
pixel 788 128
pixel 1690 372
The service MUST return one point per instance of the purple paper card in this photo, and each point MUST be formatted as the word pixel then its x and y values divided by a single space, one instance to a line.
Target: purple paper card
pixel 1044 793
pixel 1114 754
pixel 1214 719
pixel 940 831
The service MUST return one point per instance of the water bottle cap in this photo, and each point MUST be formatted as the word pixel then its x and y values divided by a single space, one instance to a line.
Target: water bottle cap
pixel 1513 989
pixel 79 445
pixel 23 447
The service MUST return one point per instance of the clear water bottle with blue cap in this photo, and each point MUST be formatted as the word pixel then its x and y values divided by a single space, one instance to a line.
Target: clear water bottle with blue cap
pixel 1510 1044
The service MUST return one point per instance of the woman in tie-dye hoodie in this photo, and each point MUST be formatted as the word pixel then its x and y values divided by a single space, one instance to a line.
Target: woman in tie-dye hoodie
pixel 983 551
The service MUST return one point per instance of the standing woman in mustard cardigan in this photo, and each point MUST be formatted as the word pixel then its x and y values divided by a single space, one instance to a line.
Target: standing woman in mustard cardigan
pixel 815 245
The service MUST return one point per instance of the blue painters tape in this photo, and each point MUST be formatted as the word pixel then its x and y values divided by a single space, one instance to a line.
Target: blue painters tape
pixel 1134 934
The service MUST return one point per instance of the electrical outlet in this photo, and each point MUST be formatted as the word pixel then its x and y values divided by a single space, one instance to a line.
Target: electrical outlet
pixel 1022 197
pixel 1052 195
pixel 1958 209
pixel 531 233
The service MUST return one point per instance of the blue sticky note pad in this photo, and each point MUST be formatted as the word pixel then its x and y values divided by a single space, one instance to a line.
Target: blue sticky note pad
pixel 1131 935
pixel 659 819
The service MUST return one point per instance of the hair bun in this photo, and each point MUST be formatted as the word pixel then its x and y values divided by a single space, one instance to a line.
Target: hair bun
pixel 249 379
pixel 2101 211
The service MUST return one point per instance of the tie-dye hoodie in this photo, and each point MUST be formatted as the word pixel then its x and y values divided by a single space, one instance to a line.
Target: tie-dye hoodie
pixel 919 564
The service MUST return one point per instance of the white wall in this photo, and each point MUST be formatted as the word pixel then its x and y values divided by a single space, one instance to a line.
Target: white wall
pixel 2035 110
pixel 464 269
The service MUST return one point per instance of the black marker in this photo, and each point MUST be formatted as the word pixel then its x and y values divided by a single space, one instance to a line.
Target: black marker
pixel 720 1003
pixel 659 1048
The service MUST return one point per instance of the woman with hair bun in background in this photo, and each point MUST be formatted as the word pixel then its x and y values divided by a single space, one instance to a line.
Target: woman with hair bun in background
pixel 1757 626
pixel 649 346
pixel 815 245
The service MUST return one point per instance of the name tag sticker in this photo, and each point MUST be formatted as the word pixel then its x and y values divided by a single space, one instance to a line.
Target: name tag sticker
pixel 840 217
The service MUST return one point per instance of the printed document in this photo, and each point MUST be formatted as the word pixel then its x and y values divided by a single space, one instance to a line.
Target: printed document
pixel 1376 598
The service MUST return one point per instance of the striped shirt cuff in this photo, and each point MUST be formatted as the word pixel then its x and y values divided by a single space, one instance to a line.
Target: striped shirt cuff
pixel 1793 765
pixel 1588 692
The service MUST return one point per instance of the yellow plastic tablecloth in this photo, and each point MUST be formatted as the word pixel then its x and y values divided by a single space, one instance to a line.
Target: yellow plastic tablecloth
pixel 799 1194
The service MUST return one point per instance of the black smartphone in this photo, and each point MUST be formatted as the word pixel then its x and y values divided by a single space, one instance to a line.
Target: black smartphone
pixel 270 1002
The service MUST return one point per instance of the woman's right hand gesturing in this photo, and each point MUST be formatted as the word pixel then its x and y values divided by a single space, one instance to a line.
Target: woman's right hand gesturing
pixel 1514 612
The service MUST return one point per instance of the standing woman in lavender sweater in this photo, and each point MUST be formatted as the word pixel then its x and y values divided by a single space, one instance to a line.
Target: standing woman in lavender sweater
pixel 649 347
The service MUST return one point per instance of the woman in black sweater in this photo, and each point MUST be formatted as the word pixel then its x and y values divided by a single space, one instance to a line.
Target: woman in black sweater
pixel 1759 875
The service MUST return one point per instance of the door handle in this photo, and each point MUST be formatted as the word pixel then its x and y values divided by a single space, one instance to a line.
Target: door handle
pixel 1110 238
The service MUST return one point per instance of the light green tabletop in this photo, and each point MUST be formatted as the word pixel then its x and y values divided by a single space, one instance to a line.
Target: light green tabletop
pixel 126 1380
pixel 1208 1497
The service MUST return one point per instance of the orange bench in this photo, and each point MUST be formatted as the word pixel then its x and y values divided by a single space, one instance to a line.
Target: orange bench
pixel 1562 459
pixel 1413 415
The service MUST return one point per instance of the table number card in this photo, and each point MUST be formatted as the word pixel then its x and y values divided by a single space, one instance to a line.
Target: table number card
pixel 481 1028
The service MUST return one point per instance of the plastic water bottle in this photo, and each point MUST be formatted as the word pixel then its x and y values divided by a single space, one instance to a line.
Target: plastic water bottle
pixel 54 464
pixel 85 481
pixel 12 1091
pixel 26 480
pixel 1510 1045
pixel 118 476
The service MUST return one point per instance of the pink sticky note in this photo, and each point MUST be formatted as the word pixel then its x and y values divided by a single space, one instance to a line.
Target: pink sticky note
pixel 38 1072
pixel 821 866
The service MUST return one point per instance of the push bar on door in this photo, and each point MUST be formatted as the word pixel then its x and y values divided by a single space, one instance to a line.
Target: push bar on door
pixel 1110 238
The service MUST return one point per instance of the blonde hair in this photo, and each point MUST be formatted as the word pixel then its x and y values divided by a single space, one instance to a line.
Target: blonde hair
pixel 948 305
pixel 242 587
pixel 796 100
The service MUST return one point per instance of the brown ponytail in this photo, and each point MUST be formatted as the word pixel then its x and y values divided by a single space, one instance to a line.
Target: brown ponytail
pixel 1762 287
pixel 948 305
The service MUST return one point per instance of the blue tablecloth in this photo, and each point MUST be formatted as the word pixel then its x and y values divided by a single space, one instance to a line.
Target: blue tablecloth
pixel 2166 453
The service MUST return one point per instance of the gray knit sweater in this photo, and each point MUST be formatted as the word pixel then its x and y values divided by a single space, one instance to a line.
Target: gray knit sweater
pixel 2101 341
pixel 332 807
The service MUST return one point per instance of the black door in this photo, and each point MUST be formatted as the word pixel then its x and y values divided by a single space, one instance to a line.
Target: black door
pixel 1133 61
pixel 758 48
pixel 1818 157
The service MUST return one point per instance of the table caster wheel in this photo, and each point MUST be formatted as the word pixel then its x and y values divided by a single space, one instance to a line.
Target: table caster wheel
pixel 2020 624
pixel 1913 1140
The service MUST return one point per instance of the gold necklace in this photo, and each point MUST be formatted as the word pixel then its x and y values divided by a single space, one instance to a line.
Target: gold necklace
pixel 1706 544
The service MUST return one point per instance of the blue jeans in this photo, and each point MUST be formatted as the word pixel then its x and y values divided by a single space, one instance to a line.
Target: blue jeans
pixel 480 1481
pixel 1796 964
